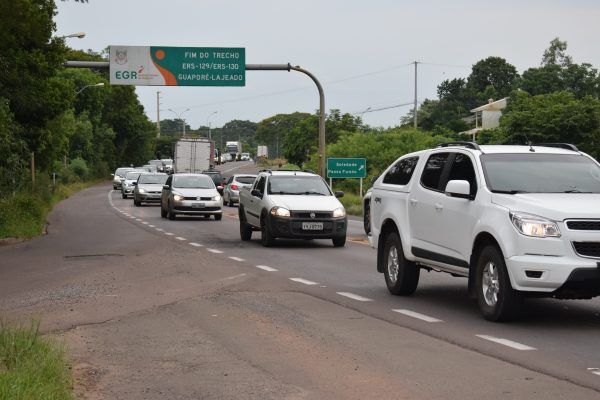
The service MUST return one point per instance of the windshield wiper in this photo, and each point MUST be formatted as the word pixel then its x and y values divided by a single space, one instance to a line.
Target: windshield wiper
pixel 574 191
pixel 317 193
pixel 509 191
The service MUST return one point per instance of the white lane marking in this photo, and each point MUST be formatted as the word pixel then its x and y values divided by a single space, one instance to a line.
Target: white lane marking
pixel 152 226
pixel 232 169
pixel 417 315
pixel 169 234
pixel 266 268
pixel 305 281
pixel 145 223
pixel 506 342
pixel 595 371
pixel 196 244
pixel 215 251
pixel 180 238
pixel 353 296
pixel 159 229
pixel 237 259
pixel 131 216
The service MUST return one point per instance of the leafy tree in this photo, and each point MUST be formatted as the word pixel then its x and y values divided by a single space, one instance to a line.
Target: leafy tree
pixel 493 76
pixel 555 54
pixel 173 127
pixel 272 131
pixel 12 163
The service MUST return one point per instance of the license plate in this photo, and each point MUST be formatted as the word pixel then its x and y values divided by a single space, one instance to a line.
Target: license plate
pixel 312 226
pixel 198 205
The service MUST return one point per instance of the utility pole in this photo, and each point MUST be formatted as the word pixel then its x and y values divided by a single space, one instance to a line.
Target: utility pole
pixel 415 106
pixel 158 113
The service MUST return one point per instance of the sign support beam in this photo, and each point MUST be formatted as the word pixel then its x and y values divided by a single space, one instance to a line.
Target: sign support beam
pixel 253 67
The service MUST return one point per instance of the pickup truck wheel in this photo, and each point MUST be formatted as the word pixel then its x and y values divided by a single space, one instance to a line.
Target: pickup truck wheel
pixel 498 301
pixel 266 237
pixel 218 217
pixel 401 275
pixel 367 218
pixel 339 241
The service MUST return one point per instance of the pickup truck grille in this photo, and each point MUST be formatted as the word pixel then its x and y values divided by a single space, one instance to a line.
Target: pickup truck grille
pixel 584 225
pixel 196 198
pixel 587 249
pixel 306 214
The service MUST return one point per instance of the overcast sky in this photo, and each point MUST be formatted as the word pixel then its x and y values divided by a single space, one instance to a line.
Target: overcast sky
pixel 359 50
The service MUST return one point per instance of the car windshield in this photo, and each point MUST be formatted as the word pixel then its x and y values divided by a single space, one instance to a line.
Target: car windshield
pixel 193 182
pixel 245 179
pixel 541 173
pixel 122 171
pixel 298 185
pixel 152 179
pixel 132 175
pixel 155 162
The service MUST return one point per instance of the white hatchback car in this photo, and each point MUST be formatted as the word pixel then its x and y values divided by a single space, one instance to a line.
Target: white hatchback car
pixel 516 220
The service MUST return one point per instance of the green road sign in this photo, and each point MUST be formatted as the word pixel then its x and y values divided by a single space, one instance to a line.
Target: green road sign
pixel 177 66
pixel 346 167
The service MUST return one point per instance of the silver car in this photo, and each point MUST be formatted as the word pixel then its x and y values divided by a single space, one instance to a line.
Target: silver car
pixel 148 188
pixel 231 192
pixel 193 194
pixel 127 185
pixel 118 177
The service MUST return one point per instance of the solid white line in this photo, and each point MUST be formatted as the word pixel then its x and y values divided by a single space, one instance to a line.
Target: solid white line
pixel 237 259
pixel 265 268
pixel 169 234
pixel 506 342
pixel 215 251
pixel 353 296
pixel 417 315
pixel 180 238
pixel 196 244
pixel 305 281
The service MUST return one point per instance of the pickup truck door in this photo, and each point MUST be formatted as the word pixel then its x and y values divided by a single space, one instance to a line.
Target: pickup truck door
pixel 254 207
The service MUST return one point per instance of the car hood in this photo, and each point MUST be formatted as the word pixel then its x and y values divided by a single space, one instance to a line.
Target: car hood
pixel 307 203
pixel 194 192
pixel 151 187
pixel 556 206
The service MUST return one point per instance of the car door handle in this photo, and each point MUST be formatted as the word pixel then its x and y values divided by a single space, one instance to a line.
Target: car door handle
pixel 439 207
pixel 413 202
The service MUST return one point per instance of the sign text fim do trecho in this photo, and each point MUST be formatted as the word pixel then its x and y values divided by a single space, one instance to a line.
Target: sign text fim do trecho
pixel 346 167
pixel 177 66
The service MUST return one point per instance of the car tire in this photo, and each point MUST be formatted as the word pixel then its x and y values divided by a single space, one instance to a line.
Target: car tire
pixel 367 218
pixel 497 300
pixel 137 203
pixel 401 275
pixel 266 237
pixel 123 195
pixel 230 202
pixel 170 213
pixel 218 217
pixel 339 241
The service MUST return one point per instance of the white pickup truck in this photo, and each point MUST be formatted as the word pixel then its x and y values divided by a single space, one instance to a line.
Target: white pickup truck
pixel 517 221
pixel 291 204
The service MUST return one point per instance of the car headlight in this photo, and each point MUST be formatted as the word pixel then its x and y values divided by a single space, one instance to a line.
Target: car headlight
pixel 532 225
pixel 177 197
pixel 280 212
pixel 140 190
pixel 339 212
pixel 216 198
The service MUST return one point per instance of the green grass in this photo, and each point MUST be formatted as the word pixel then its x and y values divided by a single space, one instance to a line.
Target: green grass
pixel 24 214
pixel 353 204
pixel 32 367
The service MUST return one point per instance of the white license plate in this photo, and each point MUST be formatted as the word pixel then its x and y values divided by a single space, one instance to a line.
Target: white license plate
pixel 198 205
pixel 312 226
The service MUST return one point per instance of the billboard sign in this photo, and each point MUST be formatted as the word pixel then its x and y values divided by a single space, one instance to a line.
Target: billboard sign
pixel 177 66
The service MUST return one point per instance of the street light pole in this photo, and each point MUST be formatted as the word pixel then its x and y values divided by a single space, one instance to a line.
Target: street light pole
pixel 209 124
pixel 182 120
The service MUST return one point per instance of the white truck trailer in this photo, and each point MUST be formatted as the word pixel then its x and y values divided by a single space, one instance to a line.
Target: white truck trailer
pixel 193 155
pixel 262 151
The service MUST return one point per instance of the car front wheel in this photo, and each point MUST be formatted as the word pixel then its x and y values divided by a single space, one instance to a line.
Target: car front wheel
pixel 266 237
pixel 498 301
pixel 401 275
pixel 339 241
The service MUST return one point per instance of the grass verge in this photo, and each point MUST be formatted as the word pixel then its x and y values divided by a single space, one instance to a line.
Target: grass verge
pixel 23 215
pixel 353 204
pixel 32 367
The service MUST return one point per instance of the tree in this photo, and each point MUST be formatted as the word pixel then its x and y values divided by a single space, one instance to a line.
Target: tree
pixel 555 54
pixel 12 164
pixel 493 73
pixel 272 131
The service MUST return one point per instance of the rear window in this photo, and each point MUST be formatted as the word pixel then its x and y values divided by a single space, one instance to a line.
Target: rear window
pixel 132 175
pixel 401 172
pixel 152 179
pixel 193 182
pixel 245 179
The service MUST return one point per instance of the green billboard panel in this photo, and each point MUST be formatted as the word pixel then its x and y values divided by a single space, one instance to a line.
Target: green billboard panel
pixel 177 66
pixel 346 167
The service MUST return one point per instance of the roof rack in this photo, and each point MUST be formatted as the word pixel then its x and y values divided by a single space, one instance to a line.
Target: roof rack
pixel 566 146
pixel 469 145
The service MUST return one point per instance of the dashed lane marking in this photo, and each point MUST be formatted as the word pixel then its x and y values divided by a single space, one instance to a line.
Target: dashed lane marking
pixel 152 226
pixel 304 281
pixel 180 238
pixel 266 268
pixel 159 229
pixel 215 251
pixel 237 259
pixel 145 223
pixel 595 371
pixel 508 343
pixel 354 296
pixel 169 234
pixel 196 244
pixel 417 315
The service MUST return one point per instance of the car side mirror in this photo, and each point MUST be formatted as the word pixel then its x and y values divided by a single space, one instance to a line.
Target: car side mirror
pixel 166 187
pixel 256 193
pixel 459 188
pixel 112 174
pixel 134 183
pixel 339 194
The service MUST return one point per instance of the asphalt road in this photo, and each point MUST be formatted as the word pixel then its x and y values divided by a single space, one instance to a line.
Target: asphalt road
pixel 153 308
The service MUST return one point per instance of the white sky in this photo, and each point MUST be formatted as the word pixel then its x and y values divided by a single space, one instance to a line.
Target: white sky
pixel 334 39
